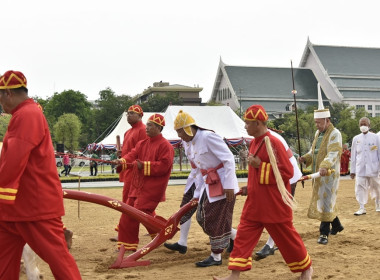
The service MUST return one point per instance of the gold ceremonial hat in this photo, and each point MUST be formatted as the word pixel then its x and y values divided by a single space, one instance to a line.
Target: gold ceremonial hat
pixel 185 121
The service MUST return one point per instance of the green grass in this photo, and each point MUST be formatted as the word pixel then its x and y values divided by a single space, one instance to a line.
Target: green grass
pixel 104 173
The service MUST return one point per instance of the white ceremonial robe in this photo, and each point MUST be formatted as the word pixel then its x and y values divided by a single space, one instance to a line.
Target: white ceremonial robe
pixel 207 150
pixel 365 164
pixel 194 177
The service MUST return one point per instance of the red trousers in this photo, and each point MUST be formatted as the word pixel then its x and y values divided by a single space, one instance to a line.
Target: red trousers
pixel 47 240
pixel 126 186
pixel 129 227
pixel 284 235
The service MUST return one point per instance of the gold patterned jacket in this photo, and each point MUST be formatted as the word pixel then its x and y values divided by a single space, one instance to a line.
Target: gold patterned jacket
pixel 323 200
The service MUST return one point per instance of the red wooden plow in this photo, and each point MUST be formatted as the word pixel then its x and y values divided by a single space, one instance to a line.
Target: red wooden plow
pixel 165 229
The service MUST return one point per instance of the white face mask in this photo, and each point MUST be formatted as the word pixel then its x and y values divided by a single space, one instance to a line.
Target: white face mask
pixel 364 128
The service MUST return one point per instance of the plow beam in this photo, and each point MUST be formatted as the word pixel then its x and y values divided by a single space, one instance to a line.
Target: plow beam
pixel 165 229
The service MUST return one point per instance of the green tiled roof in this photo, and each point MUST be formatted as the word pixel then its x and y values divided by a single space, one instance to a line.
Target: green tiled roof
pixel 349 60
pixel 360 94
pixel 277 107
pixel 352 82
pixel 272 83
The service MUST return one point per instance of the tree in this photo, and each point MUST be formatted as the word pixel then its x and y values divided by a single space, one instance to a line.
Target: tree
pixel 306 129
pixel 158 102
pixel 41 101
pixel 343 117
pixel 336 110
pixel 348 121
pixel 67 131
pixel 215 103
pixel 4 121
pixel 375 124
pixel 68 101
pixel 109 108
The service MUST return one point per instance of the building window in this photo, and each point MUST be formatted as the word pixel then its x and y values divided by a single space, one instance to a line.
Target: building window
pixel 290 107
pixel 377 114
pixel 360 106
pixel 369 107
pixel 377 107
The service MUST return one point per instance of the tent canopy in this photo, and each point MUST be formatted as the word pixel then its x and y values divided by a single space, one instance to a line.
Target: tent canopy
pixel 120 129
pixel 220 119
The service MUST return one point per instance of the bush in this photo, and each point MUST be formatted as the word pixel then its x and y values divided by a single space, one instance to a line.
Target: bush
pixel 115 177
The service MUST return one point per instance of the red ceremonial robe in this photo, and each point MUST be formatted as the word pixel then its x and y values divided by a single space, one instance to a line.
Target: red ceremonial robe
pixel 148 184
pixel 30 189
pixel 264 208
pixel 31 200
pixel 131 137
pixel 344 162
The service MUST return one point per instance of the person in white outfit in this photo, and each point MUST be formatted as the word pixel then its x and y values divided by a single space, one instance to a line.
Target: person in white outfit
pixel 213 181
pixel 365 164
pixel 193 181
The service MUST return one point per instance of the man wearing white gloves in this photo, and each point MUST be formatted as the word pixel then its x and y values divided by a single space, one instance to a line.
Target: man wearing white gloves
pixel 365 164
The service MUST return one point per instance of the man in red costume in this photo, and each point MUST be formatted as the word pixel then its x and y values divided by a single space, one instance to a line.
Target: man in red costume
pixel 131 137
pixel 268 203
pixel 150 163
pixel 31 201
pixel 345 160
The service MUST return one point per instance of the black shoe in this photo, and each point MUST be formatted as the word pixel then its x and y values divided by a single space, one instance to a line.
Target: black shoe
pixel 208 262
pixel 334 231
pixel 176 247
pixel 230 246
pixel 265 252
pixel 323 239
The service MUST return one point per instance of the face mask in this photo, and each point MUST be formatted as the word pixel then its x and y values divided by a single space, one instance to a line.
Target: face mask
pixel 364 128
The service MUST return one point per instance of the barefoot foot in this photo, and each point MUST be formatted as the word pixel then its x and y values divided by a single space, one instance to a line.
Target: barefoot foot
pixel 233 276
pixel 306 275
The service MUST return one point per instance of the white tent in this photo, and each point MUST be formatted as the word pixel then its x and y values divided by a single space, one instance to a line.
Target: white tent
pixel 220 119
pixel 120 129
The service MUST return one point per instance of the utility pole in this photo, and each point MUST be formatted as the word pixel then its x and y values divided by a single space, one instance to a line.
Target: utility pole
pixel 294 92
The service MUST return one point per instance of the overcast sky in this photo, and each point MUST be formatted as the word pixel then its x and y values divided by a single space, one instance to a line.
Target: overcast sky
pixel 89 45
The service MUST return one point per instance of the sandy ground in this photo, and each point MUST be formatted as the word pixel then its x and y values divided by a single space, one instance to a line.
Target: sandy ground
pixel 351 254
